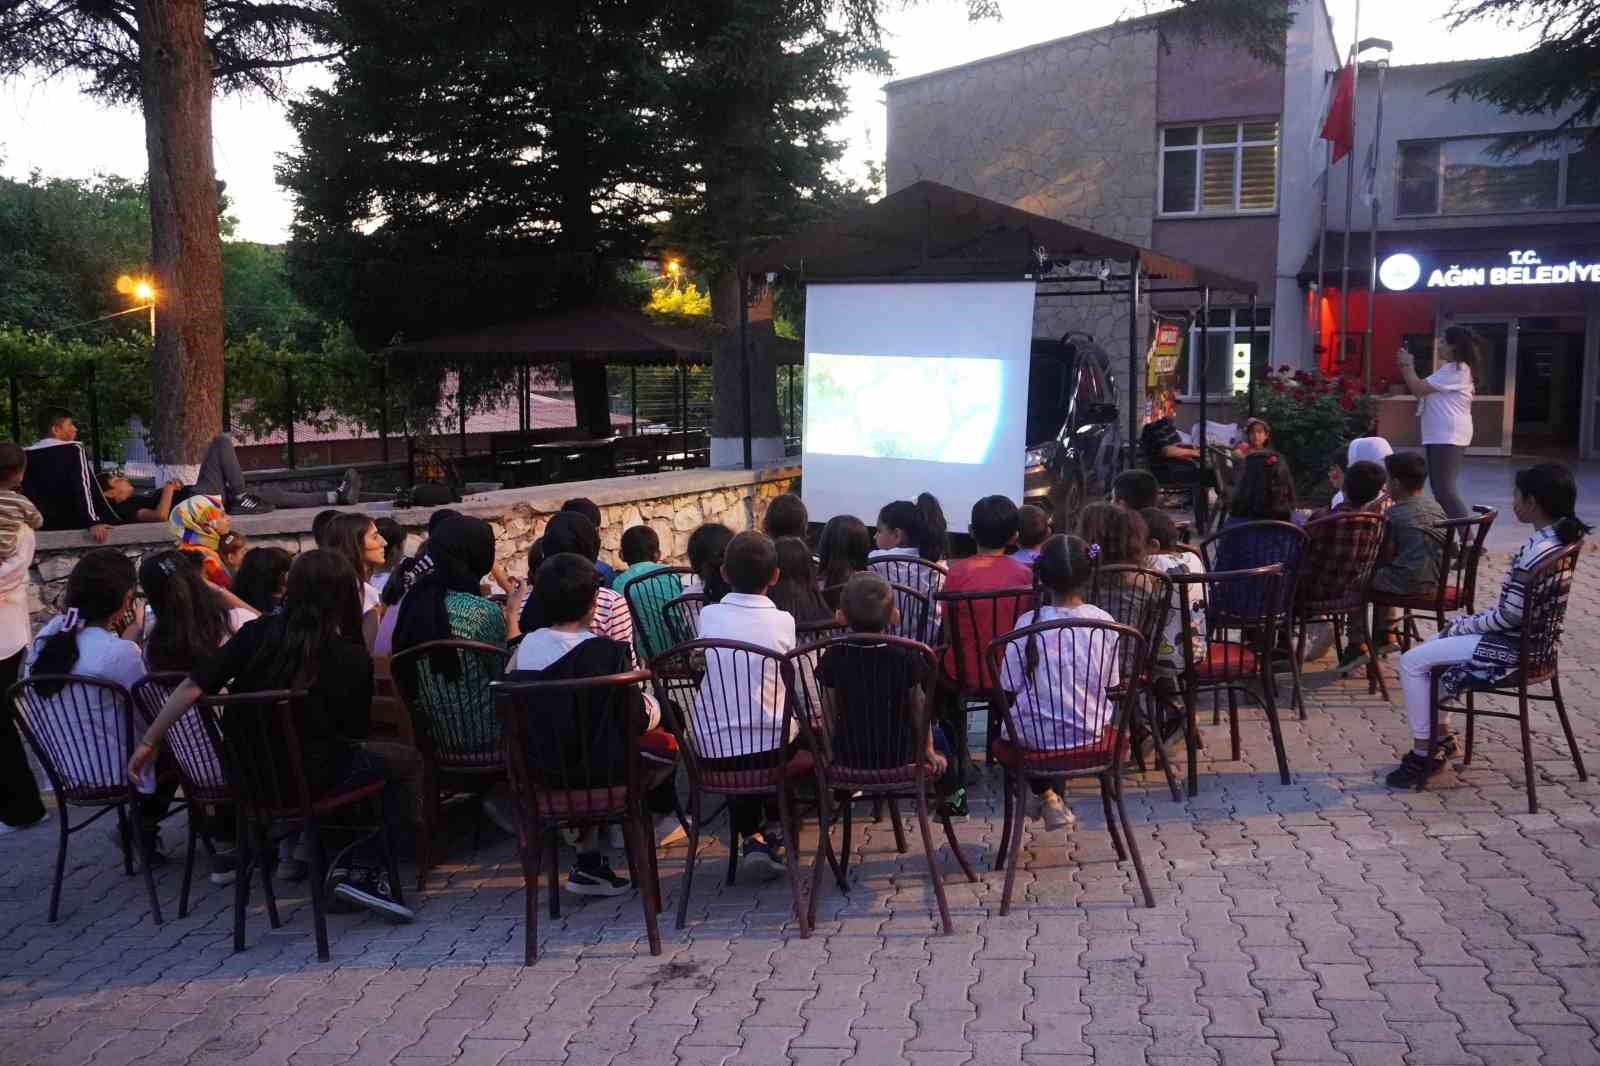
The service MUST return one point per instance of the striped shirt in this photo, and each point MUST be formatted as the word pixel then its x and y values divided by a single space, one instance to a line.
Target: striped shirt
pixel 1500 626
pixel 16 511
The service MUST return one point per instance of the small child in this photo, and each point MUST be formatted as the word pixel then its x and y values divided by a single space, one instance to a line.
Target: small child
pixel 230 549
pixel 1135 490
pixel 1363 485
pixel 591 510
pixel 1265 492
pixel 1033 526
pixel 1415 543
pixel 786 517
pixel 16 510
pixel 1065 570
pixel 1166 557
pixel 319 526
pixel 1257 437
pixel 707 545
pixel 1361 450
pixel 747 736
pixel 641 550
pixel 902 536
pixel 994 529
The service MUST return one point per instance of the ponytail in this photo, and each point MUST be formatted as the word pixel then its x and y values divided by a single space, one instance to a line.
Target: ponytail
pixel 1554 490
pixel 96 590
pixel 1571 528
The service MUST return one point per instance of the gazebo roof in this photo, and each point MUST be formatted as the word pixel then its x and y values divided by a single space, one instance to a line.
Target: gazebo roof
pixel 930 230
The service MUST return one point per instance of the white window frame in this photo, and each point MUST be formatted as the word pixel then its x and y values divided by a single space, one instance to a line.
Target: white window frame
pixel 1438 181
pixel 1239 144
pixel 1234 331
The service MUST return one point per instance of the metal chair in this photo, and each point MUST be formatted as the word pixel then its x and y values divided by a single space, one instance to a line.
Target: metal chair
pixel 445 687
pixel 919 614
pixel 682 617
pixel 1460 552
pixel 1254 544
pixel 1249 601
pixel 874 736
pixel 198 762
pixel 1140 598
pixel 259 738
pixel 1064 690
pixel 924 575
pixel 573 747
pixel 1544 615
pixel 970 621
pixel 1341 554
pixel 81 729
pixel 647 597
pixel 740 731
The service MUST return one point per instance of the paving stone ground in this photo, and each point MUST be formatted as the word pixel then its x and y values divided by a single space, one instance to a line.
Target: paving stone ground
pixel 1327 921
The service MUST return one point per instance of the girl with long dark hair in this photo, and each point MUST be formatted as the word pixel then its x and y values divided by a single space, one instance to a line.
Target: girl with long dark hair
pixel 796 590
pixel 355 536
pixel 262 578
pixel 187 618
pixel 1444 405
pixel 842 550
pixel 1482 649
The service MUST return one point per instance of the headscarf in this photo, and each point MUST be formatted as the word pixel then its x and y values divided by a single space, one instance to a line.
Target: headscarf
pixel 194 522
pixel 1368 450
pixel 461 551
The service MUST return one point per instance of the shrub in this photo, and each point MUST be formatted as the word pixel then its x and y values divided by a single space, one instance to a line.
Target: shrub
pixel 1313 419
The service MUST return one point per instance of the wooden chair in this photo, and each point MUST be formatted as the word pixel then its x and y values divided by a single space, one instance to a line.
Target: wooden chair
pixel 1141 599
pixel 259 738
pixel 718 694
pixel 873 740
pixel 1341 553
pixel 970 620
pixel 81 730
pixel 1538 642
pixel 647 599
pixel 1065 691
pixel 445 685
pixel 198 763
pixel 1250 602
pixel 1254 544
pixel 919 613
pixel 1460 552
pixel 573 747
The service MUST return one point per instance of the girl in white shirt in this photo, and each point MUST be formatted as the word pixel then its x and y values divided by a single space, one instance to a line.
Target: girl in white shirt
pixel 355 536
pixel 1445 407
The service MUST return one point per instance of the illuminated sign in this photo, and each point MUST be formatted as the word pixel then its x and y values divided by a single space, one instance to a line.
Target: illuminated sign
pixel 1403 271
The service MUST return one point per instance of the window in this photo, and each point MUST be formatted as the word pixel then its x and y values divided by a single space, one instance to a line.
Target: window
pixel 1220 168
pixel 1465 176
pixel 1229 355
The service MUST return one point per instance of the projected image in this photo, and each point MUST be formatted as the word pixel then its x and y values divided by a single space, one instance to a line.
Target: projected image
pixel 939 410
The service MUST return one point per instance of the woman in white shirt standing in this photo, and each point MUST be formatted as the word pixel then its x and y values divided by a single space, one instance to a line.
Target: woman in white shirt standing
pixel 1445 407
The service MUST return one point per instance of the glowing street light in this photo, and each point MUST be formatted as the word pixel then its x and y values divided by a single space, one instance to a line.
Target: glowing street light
pixel 143 290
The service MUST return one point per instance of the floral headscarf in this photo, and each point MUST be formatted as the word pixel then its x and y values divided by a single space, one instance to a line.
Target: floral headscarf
pixel 194 522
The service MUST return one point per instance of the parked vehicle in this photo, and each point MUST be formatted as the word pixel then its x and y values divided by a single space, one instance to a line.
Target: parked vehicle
pixel 1075 435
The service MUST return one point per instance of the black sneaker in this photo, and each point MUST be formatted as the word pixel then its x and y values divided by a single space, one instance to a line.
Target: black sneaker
pixel 595 878
pixel 331 884
pixel 954 805
pixel 762 859
pixel 369 888
pixel 350 487
pixel 1413 771
pixel 249 503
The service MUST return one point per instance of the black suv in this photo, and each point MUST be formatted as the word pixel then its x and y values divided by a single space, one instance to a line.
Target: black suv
pixel 1074 425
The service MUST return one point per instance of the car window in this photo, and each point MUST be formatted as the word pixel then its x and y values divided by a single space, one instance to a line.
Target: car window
pixel 1047 406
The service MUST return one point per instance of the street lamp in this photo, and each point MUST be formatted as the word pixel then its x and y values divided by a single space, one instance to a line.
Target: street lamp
pixel 144 291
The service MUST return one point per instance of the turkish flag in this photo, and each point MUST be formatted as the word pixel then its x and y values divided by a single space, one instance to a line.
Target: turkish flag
pixel 1340 126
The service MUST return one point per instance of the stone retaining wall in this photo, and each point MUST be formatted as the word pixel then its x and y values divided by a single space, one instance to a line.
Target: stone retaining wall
pixel 672 504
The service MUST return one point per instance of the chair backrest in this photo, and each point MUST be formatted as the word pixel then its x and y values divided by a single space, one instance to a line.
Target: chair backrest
pixel 647 597
pixel 81 728
pixel 1250 545
pixel 727 699
pixel 1544 612
pixel 1134 596
pixel 576 736
pixel 198 760
pixel 1341 553
pixel 1463 551
pixel 858 699
pixel 919 614
pixel 682 617
pixel 1230 599
pixel 971 621
pixel 259 737
pixel 445 686
pixel 1067 684
pixel 924 575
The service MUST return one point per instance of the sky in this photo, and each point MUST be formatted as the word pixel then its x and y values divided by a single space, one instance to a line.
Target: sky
pixel 54 129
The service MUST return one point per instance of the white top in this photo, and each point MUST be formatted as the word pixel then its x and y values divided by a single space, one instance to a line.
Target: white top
pixel 370 597
pixel 752 619
pixel 381 578
pixel 1169 656
pixel 1053 675
pixel 103 655
pixel 1363 450
pixel 1447 414
pixel 541 648
pixel 15 629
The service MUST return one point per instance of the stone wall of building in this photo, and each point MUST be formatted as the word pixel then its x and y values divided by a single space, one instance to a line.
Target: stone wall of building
pixel 672 504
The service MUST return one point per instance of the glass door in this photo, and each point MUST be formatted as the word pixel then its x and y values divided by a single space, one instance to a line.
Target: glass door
pixel 1494 380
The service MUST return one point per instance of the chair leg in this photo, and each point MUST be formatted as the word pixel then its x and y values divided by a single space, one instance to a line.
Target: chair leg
pixel 1111 822
pixel 1019 806
pixel 1472 721
pixel 844 846
pixel 1158 740
pixel 188 862
pixel 1566 726
pixel 1294 665
pixel 143 845
pixel 241 876
pixel 1527 747
pixel 1233 716
pixel 124 836
pixel 1005 823
pixel 899 826
pixel 263 848
pixel 427 826
pixel 1191 739
pixel 823 854
pixel 955 848
pixel 791 833
pixel 61 861
pixel 933 858
pixel 319 906
pixel 632 830
pixel 554 844
pixel 695 822
pixel 1133 845
pixel 1270 703
pixel 531 850
pixel 733 846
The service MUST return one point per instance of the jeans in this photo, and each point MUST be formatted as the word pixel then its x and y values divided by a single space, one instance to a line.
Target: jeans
pixel 399 767
pixel 1444 470
pixel 221 475
pixel 1415 667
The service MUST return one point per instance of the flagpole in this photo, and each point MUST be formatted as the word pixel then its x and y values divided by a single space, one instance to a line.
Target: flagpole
pixel 1349 190
pixel 1372 237
pixel 1322 250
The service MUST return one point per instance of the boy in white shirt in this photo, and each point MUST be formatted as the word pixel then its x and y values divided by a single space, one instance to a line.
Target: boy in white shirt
pixel 739 708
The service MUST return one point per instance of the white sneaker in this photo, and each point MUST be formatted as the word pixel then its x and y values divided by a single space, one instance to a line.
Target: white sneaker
pixel 670 831
pixel 1056 813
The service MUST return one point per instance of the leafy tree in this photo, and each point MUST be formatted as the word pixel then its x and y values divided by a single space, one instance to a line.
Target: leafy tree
pixel 170 55
pixel 257 298
pixel 1559 76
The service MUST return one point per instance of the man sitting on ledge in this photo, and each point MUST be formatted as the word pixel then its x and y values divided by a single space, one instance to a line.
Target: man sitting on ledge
pixel 62 485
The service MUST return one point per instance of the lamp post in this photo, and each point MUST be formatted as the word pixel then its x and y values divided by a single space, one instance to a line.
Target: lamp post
pixel 146 292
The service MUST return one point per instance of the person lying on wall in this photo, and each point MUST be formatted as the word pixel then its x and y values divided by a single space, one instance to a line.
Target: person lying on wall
pixel 62 484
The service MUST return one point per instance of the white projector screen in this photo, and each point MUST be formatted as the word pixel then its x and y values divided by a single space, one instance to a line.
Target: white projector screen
pixel 915 387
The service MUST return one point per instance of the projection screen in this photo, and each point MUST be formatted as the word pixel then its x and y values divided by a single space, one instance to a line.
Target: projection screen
pixel 915 387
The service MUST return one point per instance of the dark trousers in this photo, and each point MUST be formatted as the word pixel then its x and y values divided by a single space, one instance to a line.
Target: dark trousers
pixel 19 792
pixel 221 475
pixel 749 815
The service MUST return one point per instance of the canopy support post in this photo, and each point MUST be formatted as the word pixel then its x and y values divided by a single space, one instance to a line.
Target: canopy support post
pixel 1252 343
pixel 1205 350
pixel 744 363
pixel 1133 357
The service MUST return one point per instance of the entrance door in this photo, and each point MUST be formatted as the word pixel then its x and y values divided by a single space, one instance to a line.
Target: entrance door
pixel 1549 386
pixel 1495 383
